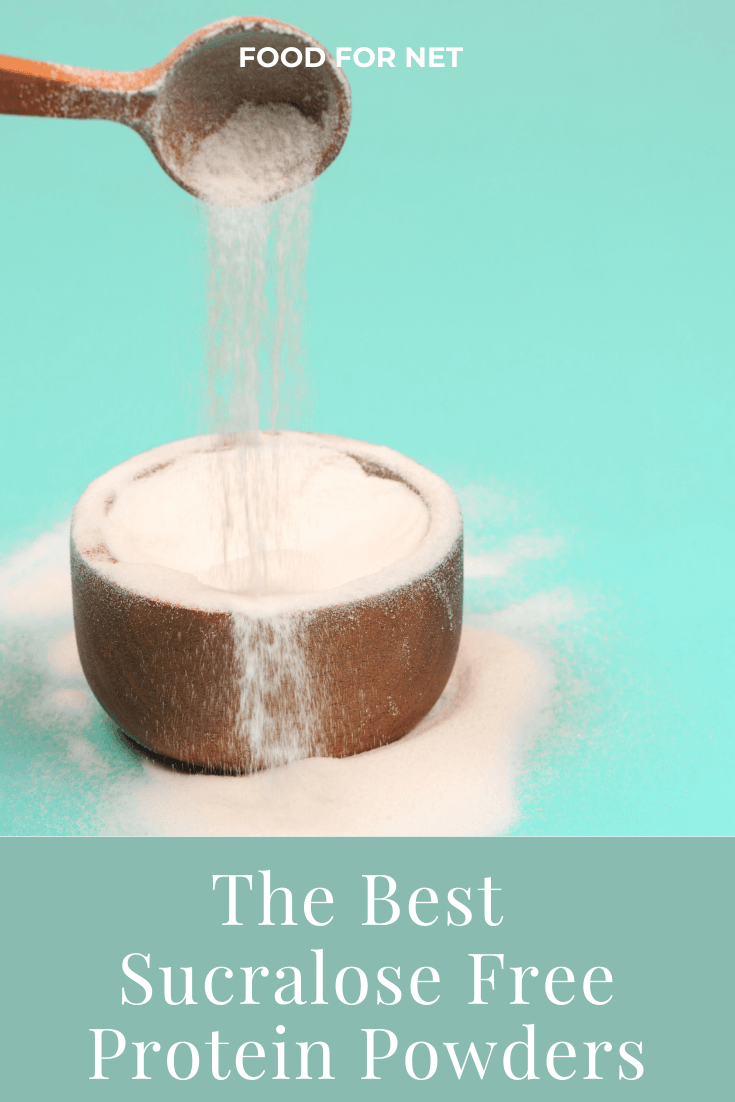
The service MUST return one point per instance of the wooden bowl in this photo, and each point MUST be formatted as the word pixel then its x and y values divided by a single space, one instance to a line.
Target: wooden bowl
pixel 232 683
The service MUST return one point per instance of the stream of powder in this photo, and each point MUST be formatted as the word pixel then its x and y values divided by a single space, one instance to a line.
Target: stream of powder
pixel 274 673
pixel 256 297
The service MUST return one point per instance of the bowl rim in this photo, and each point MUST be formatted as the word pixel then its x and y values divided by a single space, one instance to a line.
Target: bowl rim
pixel 176 588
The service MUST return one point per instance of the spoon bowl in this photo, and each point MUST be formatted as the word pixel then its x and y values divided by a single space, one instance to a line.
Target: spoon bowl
pixel 227 127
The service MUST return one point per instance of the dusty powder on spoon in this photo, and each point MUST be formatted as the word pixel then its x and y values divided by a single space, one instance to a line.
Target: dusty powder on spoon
pixel 261 152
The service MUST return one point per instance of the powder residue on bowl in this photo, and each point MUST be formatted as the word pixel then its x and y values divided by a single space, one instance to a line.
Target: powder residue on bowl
pixel 261 152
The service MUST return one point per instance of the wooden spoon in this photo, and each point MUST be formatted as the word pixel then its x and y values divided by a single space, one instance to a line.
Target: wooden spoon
pixel 189 95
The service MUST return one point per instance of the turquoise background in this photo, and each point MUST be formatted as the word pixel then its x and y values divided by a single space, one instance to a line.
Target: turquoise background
pixel 521 273
pixel 656 912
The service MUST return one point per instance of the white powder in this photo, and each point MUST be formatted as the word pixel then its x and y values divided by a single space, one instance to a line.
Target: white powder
pixel 292 523
pixel 256 301
pixel 273 667
pixel 63 656
pixel 279 517
pixel 35 583
pixel 36 625
pixel 501 562
pixel 70 700
pixel 262 152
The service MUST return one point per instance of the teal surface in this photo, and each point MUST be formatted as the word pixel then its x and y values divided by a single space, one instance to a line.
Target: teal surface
pixel 521 274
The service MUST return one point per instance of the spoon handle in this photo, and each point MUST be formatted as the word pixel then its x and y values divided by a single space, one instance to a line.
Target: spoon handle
pixel 64 91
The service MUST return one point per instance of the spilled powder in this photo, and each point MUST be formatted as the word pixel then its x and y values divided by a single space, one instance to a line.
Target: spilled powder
pixel 35 583
pixel 261 152
pixel 62 656
pixel 453 775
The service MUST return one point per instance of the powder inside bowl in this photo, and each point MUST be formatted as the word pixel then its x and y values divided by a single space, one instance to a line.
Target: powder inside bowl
pixel 266 519
pixel 260 153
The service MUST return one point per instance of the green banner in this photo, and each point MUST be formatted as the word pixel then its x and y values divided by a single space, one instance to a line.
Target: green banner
pixel 304 968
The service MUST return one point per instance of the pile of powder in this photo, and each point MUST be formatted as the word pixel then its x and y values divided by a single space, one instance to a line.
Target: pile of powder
pixel 453 775
pixel 259 154
pixel 267 518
